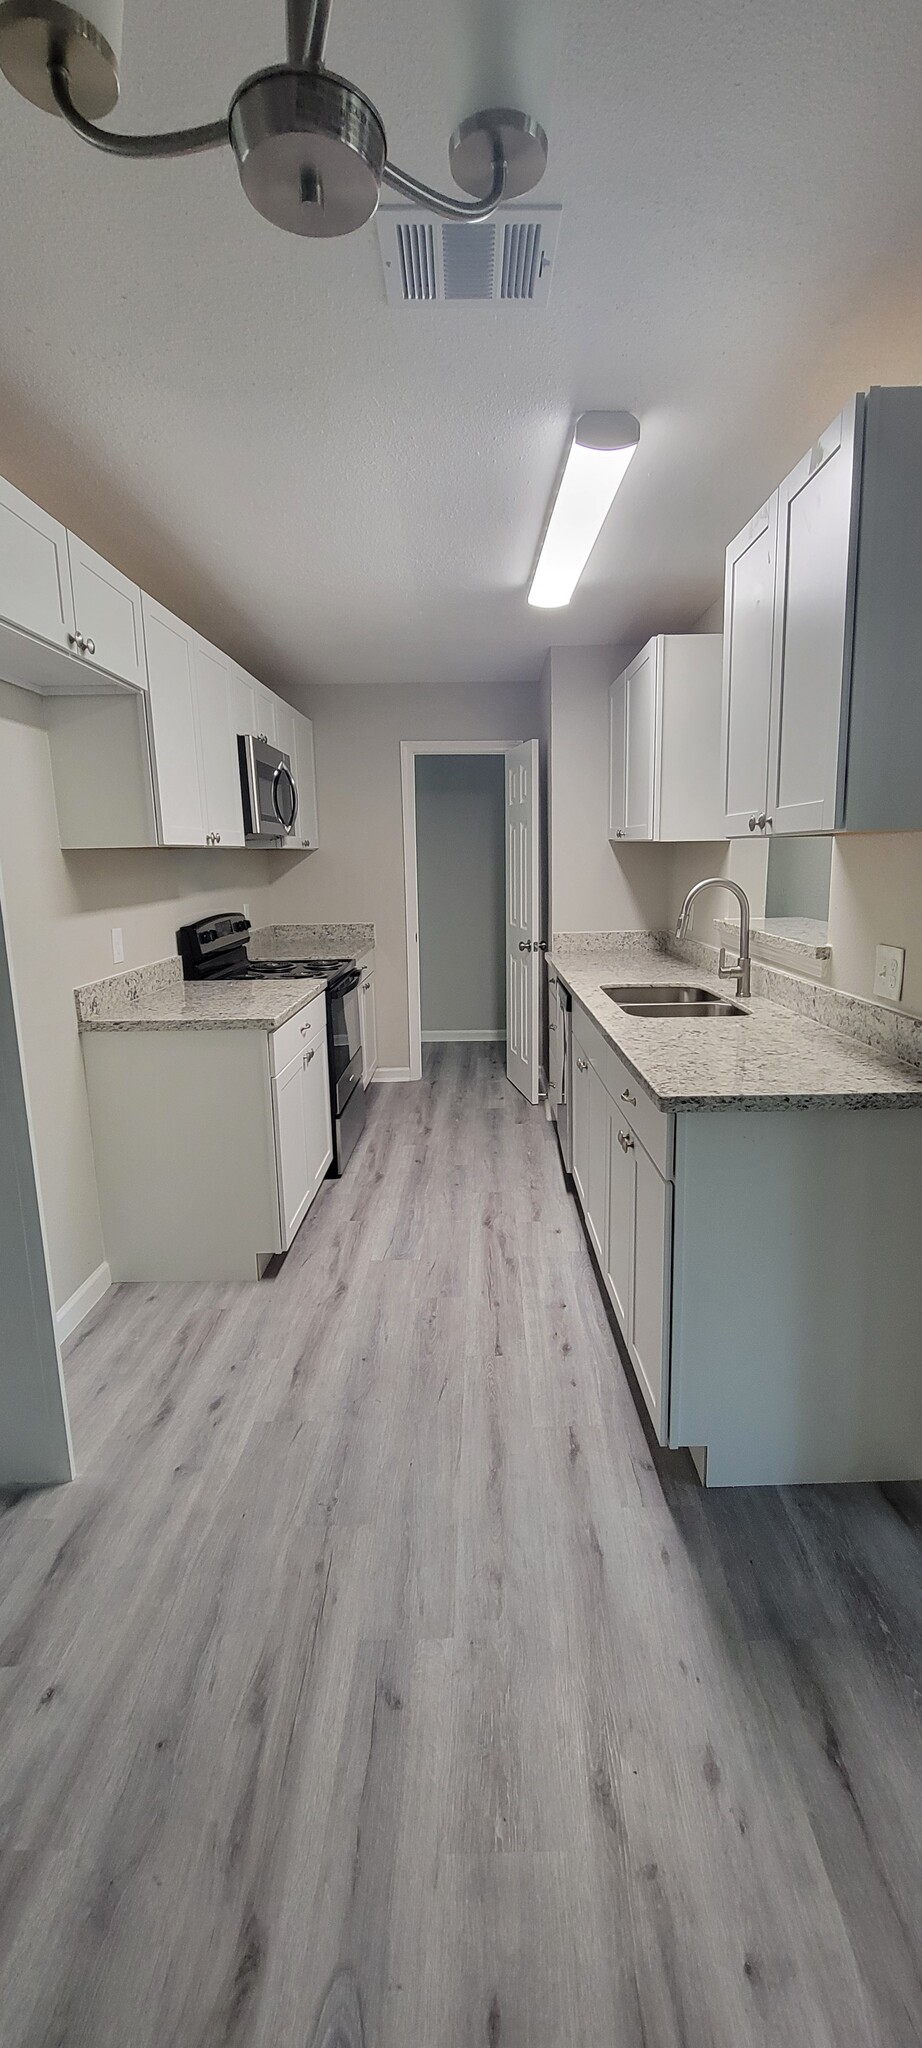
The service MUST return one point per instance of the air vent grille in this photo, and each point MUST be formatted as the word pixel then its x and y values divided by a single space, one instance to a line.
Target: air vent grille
pixel 509 258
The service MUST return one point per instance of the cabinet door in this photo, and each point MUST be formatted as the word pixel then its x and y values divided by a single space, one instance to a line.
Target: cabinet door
pixel 285 729
pixel 597 1185
pixel 216 728
pixel 580 1111
pixel 107 609
pixel 814 592
pixel 255 706
pixel 295 1169
pixel 173 727
pixel 618 1265
pixel 652 1286
pixel 318 1116
pixel 640 744
pixel 369 1026
pixel 306 824
pixel 749 598
pixel 617 735
pixel 35 586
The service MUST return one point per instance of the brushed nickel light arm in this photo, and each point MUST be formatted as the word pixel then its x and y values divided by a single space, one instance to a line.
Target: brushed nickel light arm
pixel 311 150
pixel 175 142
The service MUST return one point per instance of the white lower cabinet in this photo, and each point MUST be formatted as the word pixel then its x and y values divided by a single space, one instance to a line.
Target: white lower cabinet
pixel 210 1144
pixel 369 1025
pixel 651 1288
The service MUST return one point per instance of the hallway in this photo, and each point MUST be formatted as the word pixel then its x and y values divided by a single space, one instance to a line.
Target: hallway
pixel 375 1635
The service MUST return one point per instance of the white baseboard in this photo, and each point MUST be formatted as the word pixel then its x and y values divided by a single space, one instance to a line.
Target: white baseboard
pixel 462 1037
pixel 392 1074
pixel 72 1313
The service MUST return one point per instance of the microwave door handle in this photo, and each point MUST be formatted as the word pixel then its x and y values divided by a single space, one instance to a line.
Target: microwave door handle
pixel 287 825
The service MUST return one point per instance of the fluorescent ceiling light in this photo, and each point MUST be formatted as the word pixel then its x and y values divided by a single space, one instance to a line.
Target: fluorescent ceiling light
pixel 599 453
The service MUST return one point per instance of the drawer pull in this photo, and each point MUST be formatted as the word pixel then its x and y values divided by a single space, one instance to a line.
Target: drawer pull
pixel 309 1055
pixel 625 1141
pixel 626 1096
pixel 582 1065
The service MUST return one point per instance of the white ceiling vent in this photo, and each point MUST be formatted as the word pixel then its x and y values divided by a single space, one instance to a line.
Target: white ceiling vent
pixel 508 257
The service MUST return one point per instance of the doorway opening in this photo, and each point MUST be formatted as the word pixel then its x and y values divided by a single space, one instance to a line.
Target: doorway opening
pixel 471 823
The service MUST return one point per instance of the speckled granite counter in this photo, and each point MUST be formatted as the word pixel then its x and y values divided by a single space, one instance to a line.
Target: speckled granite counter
pixel 156 998
pixel 311 941
pixel 772 1058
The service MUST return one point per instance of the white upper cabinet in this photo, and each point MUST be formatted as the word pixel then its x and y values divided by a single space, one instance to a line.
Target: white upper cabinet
pixel 256 707
pixel 285 730
pixel 749 596
pixel 665 741
pixel 219 772
pixel 35 585
pixel 307 831
pixel 174 727
pixel 617 707
pixel 107 610
pixel 822 720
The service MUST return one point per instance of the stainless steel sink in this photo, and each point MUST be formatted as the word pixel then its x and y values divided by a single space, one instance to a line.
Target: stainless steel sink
pixel 671 999
pixel 675 993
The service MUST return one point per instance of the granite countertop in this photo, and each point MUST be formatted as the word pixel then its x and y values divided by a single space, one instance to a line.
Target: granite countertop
pixel 156 998
pixel 772 1058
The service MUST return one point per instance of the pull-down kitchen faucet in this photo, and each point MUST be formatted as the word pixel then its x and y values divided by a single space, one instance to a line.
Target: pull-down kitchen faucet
pixel 725 968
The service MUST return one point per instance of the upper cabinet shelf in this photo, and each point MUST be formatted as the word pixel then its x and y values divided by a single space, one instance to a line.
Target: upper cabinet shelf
pixel 822 713
pixel 665 741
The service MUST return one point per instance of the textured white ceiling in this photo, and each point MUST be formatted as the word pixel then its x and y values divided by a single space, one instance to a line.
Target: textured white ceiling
pixel 341 491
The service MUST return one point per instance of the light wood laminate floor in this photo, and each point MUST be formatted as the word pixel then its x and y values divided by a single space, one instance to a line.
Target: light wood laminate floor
pixel 375 1648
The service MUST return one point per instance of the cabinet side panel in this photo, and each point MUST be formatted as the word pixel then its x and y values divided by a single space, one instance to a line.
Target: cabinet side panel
pixel 883 782
pixel 797 1329
pixel 690 800
pixel 185 1152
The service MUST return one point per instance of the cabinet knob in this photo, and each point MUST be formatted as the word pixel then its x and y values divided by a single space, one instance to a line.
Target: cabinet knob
pixel 627 1097
pixel 625 1141
pixel 217 839
pixel 582 1065
pixel 309 1055
pixel 753 822
pixel 89 646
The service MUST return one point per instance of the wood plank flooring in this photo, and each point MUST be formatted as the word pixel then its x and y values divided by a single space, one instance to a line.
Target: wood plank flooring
pixel 377 1664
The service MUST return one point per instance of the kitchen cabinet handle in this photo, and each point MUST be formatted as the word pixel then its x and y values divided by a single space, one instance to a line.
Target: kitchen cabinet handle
pixel 627 1097
pixel 625 1141
pixel 309 1055
pixel 83 646
pixel 582 1065
pixel 89 646
pixel 365 987
pixel 753 822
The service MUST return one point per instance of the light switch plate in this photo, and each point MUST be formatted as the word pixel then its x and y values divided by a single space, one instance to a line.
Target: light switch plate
pixel 888 972
pixel 118 944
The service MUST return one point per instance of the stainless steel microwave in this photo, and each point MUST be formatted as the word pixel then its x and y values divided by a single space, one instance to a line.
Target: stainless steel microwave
pixel 269 792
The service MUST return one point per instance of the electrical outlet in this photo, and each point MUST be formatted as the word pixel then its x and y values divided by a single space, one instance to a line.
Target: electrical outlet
pixel 888 972
pixel 246 910
pixel 118 944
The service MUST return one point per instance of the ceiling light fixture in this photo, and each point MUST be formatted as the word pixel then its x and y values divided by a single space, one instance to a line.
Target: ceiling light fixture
pixel 310 148
pixel 600 449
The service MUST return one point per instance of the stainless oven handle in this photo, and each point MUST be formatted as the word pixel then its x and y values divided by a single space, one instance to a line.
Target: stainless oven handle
pixel 280 771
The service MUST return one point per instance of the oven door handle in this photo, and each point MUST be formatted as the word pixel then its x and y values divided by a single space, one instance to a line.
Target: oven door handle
pixel 287 825
pixel 348 982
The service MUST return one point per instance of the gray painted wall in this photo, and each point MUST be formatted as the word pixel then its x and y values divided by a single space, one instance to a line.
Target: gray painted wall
pixel 460 841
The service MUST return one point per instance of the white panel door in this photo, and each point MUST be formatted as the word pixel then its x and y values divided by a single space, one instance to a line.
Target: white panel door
pixel 369 1026
pixel 35 586
pixel 618 1265
pixel 318 1115
pixel 307 832
pixel 107 609
pixel 580 1072
pixel 522 949
pixel 296 1185
pixel 817 536
pixel 617 735
pixel 749 600
pixel 255 706
pixel 651 1302
pixel 173 727
pixel 597 1185
pixel 286 738
pixel 641 684
pixel 216 728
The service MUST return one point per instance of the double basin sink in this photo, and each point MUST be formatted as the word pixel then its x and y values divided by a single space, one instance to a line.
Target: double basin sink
pixel 671 999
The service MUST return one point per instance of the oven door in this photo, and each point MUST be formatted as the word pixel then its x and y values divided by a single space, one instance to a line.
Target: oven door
pixel 345 1033
pixel 270 796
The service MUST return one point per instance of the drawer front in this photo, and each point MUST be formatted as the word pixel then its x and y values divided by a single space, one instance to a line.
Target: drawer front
pixel 652 1126
pixel 299 1034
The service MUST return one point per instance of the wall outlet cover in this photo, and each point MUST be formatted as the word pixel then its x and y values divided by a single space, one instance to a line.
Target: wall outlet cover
pixel 246 910
pixel 888 972
pixel 118 944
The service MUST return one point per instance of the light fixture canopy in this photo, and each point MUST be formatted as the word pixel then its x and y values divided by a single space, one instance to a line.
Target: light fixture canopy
pixel 311 149
pixel 600 449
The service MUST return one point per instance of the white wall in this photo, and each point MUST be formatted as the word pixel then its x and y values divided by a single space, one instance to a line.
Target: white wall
pixel 875 898
pixel 461 866
pixel 357 871
pixel 60 910
pixel 594 887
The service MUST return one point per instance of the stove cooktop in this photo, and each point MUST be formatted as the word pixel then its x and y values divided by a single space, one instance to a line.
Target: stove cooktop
pixel 292 970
